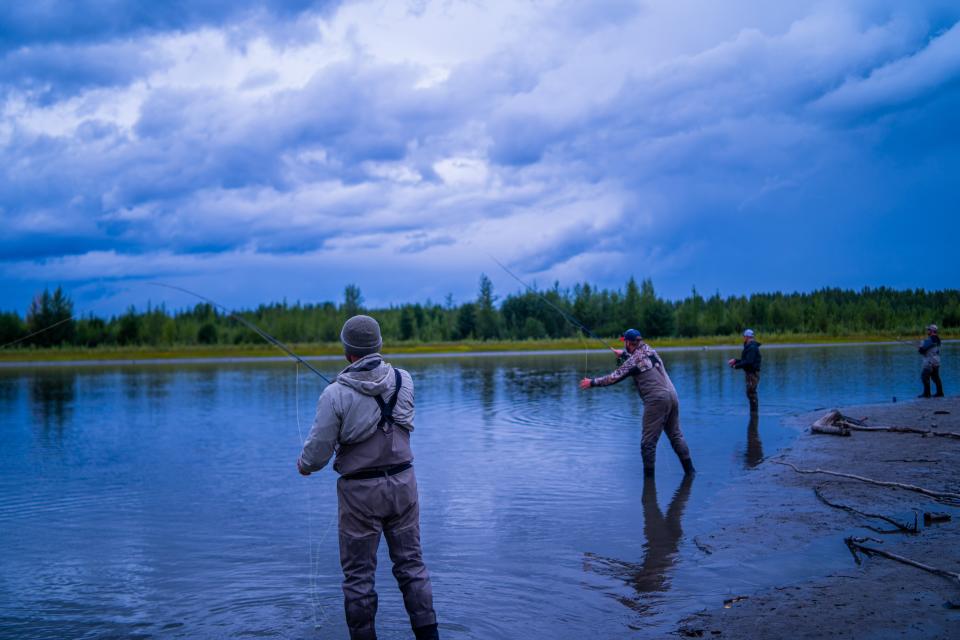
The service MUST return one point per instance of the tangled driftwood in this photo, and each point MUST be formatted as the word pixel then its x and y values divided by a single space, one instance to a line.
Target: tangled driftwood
pixel 836 424
pixel 900 527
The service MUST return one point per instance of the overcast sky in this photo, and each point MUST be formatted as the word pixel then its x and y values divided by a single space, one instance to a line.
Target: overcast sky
pixel 256 151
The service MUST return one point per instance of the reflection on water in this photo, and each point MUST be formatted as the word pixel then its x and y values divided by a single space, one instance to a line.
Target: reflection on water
pixel 51 399
pixel 163 501
pixel 754 455
pixel 662 534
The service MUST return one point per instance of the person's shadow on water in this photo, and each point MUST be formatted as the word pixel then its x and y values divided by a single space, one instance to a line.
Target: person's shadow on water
pixel 663 534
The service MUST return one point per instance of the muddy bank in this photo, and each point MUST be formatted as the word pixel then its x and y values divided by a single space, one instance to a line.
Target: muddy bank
pixel 879 598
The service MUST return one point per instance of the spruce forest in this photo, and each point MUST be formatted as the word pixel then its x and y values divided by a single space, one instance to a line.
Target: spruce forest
pixel 515 316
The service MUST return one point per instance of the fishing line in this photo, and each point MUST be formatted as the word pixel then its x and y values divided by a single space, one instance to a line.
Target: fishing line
pixel 563 313
pixel 314 558
pixel 314 569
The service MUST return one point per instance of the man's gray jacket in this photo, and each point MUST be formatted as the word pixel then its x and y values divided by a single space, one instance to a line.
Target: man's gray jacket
pixel 348 415
pixel 930 350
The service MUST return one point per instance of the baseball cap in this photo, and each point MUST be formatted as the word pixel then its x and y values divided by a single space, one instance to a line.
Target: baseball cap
pixel 630 334
pixel 748 333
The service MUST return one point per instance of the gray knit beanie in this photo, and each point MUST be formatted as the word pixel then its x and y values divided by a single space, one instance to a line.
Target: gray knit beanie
pixel 361 336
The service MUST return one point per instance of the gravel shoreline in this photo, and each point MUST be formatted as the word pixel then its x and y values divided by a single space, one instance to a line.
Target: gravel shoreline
pixel 879 598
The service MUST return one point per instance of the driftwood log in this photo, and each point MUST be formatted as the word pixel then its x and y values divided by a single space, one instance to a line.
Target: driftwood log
pixel 854 544
pixel 941 496
pixel 923 432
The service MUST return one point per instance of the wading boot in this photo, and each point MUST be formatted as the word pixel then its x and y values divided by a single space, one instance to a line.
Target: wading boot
pixel 427 632
pixel 688 466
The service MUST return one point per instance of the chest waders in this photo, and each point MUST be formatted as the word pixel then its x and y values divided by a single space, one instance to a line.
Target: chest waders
pixel 386 504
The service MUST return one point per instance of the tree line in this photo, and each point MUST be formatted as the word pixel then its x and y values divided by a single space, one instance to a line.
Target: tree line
pixel 50 320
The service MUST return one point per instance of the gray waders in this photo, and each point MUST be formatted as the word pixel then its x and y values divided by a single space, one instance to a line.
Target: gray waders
pixel 662 415
pixel 377 501
pixel 753 381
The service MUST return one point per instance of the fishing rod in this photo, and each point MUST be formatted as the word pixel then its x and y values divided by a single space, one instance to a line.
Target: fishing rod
pixel 563 313
pixel 38 332
pixel 249 325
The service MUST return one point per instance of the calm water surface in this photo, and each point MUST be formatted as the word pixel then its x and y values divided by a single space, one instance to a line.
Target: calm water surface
pixel 163 502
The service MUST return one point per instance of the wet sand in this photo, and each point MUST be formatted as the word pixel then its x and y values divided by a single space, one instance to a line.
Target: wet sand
pixel 778 512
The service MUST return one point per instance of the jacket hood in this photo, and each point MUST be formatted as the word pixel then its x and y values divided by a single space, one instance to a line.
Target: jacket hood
pixel 369 375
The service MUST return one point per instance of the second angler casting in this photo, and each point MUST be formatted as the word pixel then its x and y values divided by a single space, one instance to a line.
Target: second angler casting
pixel 661 406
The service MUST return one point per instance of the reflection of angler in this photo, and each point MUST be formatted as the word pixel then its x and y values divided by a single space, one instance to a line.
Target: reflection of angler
pixel 754 445
pixel 663 535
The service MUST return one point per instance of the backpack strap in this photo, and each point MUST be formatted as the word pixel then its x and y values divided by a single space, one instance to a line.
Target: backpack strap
pixel 386 407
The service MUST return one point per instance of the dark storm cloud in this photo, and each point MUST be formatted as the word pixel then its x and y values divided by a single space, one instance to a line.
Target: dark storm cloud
pixel 35 24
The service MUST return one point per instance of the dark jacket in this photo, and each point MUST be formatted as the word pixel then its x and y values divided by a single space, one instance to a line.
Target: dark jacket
pixel 750 358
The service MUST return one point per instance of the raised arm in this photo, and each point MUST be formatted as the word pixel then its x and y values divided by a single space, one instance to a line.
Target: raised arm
pixel 629 366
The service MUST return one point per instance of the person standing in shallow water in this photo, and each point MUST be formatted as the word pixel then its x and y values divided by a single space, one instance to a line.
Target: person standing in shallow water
pixel 930 350
pixel 661 406
pixel 366 416
pixel 749 361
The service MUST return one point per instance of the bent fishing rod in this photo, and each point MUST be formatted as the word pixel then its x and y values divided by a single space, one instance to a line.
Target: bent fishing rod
pixel 563 313
pixel 249 325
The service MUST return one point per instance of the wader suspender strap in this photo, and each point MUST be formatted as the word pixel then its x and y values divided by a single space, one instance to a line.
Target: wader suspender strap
pixel 386 408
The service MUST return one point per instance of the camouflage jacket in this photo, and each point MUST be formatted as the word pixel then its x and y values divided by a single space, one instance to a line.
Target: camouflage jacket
pixel 643 359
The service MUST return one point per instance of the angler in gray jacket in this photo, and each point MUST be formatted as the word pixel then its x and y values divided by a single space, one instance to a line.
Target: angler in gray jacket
pixel 366 417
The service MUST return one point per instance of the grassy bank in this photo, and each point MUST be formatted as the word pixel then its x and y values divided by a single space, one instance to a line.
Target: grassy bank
pixel 334 348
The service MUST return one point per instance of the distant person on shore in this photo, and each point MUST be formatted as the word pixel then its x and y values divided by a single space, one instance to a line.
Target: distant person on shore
pixel 749 361
pixel 661 406
pixel 366 416
pixel 930 350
